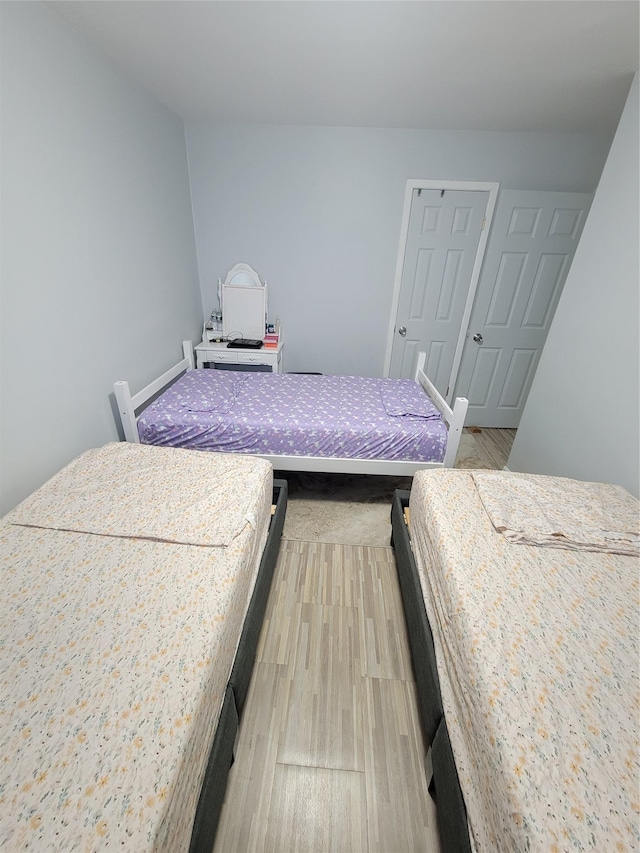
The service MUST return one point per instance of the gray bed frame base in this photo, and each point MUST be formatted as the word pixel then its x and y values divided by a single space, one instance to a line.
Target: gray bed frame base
pixel 444 786
pixel 221 757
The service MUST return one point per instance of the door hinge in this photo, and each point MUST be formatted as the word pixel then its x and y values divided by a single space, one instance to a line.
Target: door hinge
pixel 484 222
pixel 447 391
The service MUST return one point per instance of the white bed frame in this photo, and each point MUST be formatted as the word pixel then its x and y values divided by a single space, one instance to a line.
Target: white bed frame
pixel 130 406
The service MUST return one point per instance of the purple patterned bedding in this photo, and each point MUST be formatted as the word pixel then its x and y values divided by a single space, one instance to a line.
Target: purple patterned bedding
pixel 348 417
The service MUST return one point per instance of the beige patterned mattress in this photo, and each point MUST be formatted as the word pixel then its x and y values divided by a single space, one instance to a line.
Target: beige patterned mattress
pixel 537 651
pixel 125 582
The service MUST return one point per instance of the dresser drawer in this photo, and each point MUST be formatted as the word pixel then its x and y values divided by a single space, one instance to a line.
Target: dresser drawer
pixel 226 357
pixel 239 358
pixel 219 354
pixel 254 358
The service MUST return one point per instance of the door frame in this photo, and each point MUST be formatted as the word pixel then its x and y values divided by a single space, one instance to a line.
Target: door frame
pixel 492 188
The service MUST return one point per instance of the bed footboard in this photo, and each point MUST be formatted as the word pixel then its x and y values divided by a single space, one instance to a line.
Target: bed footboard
pixel 454 418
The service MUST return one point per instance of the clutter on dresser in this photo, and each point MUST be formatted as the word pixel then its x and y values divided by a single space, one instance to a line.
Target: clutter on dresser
pixel 245 343
pixel 272 335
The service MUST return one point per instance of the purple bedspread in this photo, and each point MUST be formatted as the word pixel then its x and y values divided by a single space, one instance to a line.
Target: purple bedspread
pixel 349 417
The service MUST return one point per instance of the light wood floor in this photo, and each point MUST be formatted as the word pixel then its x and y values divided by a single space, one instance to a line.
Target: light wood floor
pixel 330 751
pixel 495 443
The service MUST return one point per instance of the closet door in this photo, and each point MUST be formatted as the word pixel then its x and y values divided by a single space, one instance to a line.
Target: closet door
pixel 442 250
pixel 530 249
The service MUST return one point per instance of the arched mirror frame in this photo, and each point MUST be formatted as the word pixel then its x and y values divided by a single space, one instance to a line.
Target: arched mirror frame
pixel 243 275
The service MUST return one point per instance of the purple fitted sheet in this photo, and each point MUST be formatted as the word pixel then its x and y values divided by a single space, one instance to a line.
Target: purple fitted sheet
pixel 347 417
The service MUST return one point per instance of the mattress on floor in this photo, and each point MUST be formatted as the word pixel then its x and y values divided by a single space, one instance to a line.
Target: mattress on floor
pixel 537 652
pixel 347 417
pixel 125 579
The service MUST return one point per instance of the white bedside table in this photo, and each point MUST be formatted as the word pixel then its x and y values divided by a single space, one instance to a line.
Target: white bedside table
pixel 221 354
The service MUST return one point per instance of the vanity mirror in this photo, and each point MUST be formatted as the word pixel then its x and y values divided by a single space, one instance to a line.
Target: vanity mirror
pixel 244 303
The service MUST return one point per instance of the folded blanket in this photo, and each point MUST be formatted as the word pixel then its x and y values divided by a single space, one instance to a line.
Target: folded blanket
pixel 405 398
pixel 560 513
pixel 143 492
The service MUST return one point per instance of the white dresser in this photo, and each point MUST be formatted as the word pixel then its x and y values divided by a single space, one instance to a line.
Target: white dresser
pixel 221 354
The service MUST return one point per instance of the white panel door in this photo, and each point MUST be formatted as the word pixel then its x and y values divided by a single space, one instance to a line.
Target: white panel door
pixel 530 249
pixel 442 244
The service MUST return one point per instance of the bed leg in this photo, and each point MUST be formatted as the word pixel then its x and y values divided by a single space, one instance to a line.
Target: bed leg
pixel 428 770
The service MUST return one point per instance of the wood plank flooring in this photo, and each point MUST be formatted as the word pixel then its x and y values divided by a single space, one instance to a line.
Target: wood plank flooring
pixel 495 444
pixel 330 752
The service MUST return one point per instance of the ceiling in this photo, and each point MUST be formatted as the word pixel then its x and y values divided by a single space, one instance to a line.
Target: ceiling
pixel 514 65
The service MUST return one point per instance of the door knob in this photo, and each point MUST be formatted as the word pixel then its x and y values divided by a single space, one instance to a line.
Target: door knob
pixel 477 338
pixel 402 331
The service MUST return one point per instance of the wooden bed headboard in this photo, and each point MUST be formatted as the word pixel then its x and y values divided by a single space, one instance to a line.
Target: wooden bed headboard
pixel 128 404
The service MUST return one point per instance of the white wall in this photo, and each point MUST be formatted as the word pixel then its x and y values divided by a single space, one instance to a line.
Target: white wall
pixel 317 212
pixel 581 417
pixel 99 276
